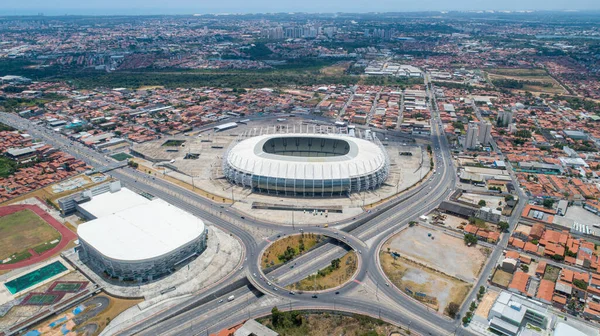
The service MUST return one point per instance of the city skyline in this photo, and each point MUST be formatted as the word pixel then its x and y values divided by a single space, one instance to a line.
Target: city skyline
pixel 180 7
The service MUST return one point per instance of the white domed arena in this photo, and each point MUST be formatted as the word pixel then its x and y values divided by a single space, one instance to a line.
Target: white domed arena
pixel 318 163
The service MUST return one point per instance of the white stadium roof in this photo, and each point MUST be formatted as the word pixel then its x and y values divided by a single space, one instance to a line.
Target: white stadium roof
pixel 131 227
pixel 363 158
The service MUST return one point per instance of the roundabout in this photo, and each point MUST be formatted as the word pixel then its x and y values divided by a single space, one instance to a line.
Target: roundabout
pixel 269 283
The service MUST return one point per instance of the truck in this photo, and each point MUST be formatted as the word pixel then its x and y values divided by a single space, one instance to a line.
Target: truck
pixel 231 298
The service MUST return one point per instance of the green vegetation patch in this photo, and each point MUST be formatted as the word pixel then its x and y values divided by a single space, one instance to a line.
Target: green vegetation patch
pixel 122 156
pixel 23 230
pixel 173 143
pixel 339 272
pixel 7 167
pixel 551 273
pixel 300 323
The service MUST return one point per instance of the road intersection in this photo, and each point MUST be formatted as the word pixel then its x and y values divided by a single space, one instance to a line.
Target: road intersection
pixel 365 233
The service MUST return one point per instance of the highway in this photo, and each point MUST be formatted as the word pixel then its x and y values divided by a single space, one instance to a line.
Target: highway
pixel 375 227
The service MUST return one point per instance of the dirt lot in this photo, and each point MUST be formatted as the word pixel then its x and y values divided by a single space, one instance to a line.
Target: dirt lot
pixel 484 307
pixel 446 253
pixel 502 278
pixel 455 222
pixel 23 230
pixel 404 273
pixel 491 201
pixel 337 277
pixel 271 255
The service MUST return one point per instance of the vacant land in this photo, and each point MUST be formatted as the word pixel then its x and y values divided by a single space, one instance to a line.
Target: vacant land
pixel 534 80
pixel 551 273
pixel 440 289
pixel 173 143
pixel 445 253
pixel 23 230
pixel 501 278
pixel 326 324
pixel 287 248
pixel 336 69
pixel 518 72
pixel 330 276
pixel 115 307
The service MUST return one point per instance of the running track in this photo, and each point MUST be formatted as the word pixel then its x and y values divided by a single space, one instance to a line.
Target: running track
pixel 67 235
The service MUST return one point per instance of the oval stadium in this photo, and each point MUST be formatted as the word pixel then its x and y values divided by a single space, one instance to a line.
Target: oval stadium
pixel 298 164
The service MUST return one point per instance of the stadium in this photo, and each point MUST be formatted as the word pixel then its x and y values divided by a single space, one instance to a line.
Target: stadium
pixel 134 238
pixel 301 164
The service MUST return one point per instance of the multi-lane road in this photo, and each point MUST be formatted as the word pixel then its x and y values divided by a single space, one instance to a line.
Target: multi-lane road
pixel 371 230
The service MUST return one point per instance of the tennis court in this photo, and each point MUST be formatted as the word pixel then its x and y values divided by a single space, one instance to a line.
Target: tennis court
pixel 41 299
pixel 67 286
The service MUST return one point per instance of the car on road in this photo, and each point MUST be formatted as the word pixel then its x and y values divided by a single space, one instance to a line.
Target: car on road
pixel 269 283
pixel 314 296
pixel 221 301
pixel 337 292
pixel 292 293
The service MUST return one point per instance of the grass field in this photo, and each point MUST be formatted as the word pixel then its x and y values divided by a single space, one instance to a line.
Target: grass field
pixel 23 230
pixel 45 246
pixel 173 143
pixel 331 279
pixel 271 255
pixel 548 84
pixel 121 156
pixel 522 72
pixel 501 278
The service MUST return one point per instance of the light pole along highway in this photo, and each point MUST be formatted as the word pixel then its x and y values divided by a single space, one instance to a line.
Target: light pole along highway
pixel 378 223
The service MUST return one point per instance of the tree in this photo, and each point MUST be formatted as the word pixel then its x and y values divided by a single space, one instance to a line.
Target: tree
pixel 335 263
pixel 481 203
pixel 503 226
pixel 548 202
pixel 275 316
pixel 452 309
pixel 580 284
pixel 509 198
pixel 481 289
pixel 470 239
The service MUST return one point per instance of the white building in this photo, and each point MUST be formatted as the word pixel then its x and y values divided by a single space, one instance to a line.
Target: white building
pixel 484 136
pixel 510 312
pixel 134 238
pixel 472 135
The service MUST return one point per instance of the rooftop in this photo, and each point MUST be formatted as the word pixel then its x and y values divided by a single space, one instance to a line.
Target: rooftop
pixel 131 227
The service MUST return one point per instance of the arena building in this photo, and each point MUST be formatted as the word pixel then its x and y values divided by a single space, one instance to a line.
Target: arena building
pixel 301 164
pixel 135 238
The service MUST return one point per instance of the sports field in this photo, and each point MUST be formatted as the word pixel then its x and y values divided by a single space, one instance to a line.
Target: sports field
pixel 41 299
pixel 23 230
pixel 67 286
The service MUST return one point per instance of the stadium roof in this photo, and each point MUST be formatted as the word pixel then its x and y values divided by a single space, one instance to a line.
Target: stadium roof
pixel 363 157
pixel 131 227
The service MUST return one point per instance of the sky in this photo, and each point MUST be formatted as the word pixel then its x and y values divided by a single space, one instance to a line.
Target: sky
pixel 142 7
